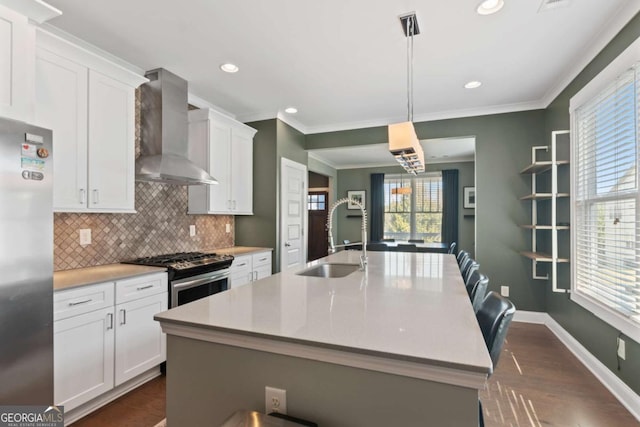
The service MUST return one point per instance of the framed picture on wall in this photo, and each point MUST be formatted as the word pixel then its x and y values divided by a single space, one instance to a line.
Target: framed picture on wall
pixel 469 201
pixel 358 195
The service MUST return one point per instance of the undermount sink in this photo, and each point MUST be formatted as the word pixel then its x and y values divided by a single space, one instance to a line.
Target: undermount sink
pixel 329 270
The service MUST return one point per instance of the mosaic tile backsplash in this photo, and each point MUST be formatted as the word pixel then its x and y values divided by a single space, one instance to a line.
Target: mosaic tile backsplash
pixel 160 226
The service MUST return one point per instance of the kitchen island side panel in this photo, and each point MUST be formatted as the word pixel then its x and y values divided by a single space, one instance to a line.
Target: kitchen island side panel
pixel 207 382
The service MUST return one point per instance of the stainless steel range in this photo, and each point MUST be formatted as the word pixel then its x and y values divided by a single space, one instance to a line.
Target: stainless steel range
pixel 192 275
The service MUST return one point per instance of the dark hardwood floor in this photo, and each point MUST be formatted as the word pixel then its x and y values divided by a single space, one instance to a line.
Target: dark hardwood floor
pixel 142 407
pixel 538 383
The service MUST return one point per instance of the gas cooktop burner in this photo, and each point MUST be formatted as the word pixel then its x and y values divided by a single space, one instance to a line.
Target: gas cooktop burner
pixel 185 260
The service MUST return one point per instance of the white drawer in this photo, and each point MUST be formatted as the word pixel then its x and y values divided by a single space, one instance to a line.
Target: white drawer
pixel 241 264
pixel 84 299
pixel 263 258
pixel 141 286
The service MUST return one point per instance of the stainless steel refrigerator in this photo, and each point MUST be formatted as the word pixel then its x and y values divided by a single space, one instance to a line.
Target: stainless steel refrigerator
pixel 26 265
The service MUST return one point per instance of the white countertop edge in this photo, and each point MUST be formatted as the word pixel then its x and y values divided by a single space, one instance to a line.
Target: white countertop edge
pixel 440 374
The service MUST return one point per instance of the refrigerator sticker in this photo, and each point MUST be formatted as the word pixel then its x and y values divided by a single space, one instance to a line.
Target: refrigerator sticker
pixel 32 164
pixel 30 151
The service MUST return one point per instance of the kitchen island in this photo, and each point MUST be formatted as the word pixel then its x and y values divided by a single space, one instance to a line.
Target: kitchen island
pixel 397 345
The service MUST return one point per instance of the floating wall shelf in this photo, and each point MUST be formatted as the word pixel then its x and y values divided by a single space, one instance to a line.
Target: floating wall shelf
pixel 538 167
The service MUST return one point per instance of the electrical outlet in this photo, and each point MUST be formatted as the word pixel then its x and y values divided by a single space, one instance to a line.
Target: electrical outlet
pixel 504 291
pixel 192 230
pixel 621 349
pixel 227 228
pixel 275 400
pixel 85 236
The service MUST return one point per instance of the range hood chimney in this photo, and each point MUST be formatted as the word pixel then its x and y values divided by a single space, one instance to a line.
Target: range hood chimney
pixel 164 133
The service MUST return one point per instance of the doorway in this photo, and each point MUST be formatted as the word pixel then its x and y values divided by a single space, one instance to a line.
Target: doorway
pixel 317 203
pixel 317 209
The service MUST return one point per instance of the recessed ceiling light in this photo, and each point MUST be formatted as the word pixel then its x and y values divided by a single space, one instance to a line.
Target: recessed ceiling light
pixel 229 68
pixel 472 84
pixel 487 7
pixel 291 110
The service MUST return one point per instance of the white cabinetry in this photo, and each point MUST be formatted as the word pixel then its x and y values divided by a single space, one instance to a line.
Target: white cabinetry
pixel 249 268
pixel 140 343
pixel 89 103
pixel 102 340
pixel 224 148
pixel 16 59
pixel 83 344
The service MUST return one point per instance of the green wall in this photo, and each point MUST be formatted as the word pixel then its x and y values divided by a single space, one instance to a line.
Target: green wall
pixel 360 179
pixel 273 141
pixel 597 336
pixel 503 148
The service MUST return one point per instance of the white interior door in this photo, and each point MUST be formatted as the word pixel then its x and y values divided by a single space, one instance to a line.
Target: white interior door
pixel 293 211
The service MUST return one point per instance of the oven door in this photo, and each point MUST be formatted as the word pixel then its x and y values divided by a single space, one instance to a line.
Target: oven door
pixel 193 288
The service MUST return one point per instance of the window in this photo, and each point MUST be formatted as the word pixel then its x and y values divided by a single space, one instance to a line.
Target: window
pixel 316 202
pixel 413 207
pixel 606 223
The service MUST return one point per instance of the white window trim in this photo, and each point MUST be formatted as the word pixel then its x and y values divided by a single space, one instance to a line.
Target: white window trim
pixel 619 65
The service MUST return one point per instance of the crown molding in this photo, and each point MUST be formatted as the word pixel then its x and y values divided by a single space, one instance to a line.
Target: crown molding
pixel 442 115
pixel 196 101
pixel 292 122
pixel 592 49
pixel 321 160
pixel 36 10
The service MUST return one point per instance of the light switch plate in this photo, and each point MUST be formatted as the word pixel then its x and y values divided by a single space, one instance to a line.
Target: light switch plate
pixel 85 236
pixel 621 349
pixel 227 228
pixel 192 230
pixel 504 291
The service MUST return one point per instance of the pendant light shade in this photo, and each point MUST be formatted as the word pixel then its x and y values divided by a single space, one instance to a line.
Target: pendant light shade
pixel 403 141
pixel 405 147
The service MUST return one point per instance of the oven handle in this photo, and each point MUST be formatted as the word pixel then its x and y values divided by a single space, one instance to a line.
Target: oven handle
pixel 197 282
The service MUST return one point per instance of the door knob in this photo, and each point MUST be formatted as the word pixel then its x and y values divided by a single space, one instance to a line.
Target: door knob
pixel 287 244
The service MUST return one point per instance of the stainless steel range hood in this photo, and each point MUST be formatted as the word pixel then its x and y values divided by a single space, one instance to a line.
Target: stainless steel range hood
pixel 164 133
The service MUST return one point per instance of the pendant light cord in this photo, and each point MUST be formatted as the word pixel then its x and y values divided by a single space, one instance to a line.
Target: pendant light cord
pixel 409 28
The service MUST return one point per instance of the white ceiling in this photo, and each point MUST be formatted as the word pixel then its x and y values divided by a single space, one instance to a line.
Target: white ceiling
pixel 445 150
pixel 342 63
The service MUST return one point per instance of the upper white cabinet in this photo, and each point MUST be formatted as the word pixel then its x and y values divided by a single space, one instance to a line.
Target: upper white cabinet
pixel 17 55
pixel 16 47
pixel 224 148
pixel 89 103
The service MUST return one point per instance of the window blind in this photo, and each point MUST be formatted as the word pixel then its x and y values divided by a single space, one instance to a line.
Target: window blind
pixel 606 222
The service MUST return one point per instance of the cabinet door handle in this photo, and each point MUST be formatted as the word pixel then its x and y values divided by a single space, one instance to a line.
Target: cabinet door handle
pixel 72 303
pixel 142 288
pixel 234 205
pixel 242 265
pixel 256 275
pixel 263 259
pixel 83 196
pixel 110 317
pixel 123 316
pixel 96 199
pixel 229 204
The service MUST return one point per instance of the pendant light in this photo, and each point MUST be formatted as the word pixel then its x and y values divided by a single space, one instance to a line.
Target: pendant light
pixel 402 190
pixel 403 142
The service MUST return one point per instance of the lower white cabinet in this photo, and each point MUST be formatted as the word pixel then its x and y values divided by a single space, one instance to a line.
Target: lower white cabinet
pixel 249 268
pixel 83 357
pixel 105 335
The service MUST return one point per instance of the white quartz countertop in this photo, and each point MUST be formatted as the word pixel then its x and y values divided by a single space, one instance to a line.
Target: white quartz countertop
pixel 241 250
pixel 102 273
pixel 407 306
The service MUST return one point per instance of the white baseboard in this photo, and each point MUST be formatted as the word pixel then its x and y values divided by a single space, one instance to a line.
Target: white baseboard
pixel 627 397
pixel 87 408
